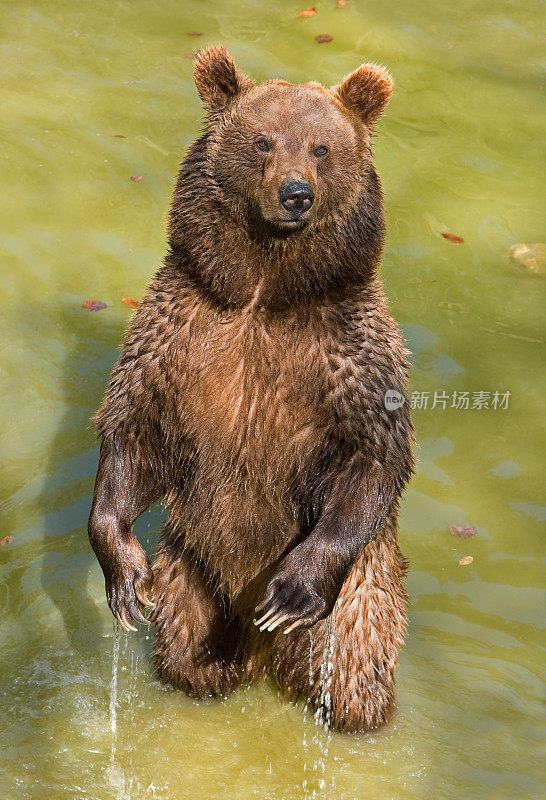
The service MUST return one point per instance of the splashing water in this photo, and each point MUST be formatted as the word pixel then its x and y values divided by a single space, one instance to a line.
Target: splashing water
pixel 323 714
pixel 130 779
pixel 114 690
pixel 114 772
pixel 307 702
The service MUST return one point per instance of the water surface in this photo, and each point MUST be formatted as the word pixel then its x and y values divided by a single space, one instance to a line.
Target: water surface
pixel 93 93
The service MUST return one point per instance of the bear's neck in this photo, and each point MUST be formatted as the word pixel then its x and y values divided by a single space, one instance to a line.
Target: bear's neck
pixel 238 260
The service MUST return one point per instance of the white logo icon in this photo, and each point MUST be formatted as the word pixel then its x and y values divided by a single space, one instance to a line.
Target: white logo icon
pixel 393 400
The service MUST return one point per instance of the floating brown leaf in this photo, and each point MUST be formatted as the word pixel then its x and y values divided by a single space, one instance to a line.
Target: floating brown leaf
pixel 136 178
pixel 322 38
pixel 119 136
pixel 465 560
pixel 94 305
pixel 462 532
pixel 6 540
pixel 342 3
pixel 195 33
pixel 129 302
pixel 452 237
pixel 532 256
pixel 309 12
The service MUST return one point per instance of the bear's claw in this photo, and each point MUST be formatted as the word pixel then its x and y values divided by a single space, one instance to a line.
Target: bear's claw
pixel 126 592
pixel 292 602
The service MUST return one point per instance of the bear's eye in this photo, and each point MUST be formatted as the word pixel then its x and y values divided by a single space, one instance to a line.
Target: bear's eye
pixel 320 151
pixel 262 145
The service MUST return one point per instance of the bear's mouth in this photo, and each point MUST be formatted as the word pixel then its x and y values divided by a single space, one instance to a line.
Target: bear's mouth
pixel 278 221
pixel 276 227
pixel 293 222
pixel 290 224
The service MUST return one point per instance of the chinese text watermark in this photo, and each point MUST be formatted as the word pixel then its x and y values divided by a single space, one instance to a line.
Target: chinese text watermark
pixel 442 400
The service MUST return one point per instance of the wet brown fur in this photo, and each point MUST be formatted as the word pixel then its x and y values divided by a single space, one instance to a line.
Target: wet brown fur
pixel 250 396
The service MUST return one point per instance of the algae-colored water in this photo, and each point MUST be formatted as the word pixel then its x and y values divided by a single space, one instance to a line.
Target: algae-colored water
pixel 94 92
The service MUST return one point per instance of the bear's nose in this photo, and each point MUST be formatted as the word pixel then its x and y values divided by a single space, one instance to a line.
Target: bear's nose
pixel 296 196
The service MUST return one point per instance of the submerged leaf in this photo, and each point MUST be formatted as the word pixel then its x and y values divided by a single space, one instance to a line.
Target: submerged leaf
pixel 195 33
pixel 94 305
pixel 452 237
pixel 129 302
pixel 462 532
pixel 532 256
pixel 6 540
pixel 342 3
pixel 465 560
pixel 309 12
pixel 136 178
pixel 322 38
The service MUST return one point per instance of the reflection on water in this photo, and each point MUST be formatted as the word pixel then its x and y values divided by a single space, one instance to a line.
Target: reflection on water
pixel 96 93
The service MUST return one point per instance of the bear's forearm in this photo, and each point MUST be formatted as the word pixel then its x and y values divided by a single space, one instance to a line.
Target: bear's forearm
pixel 121 495
pixel 308 580
pixel 351 517
pixel 122 492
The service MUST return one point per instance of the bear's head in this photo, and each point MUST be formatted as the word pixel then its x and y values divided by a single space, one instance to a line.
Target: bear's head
pixel 289 155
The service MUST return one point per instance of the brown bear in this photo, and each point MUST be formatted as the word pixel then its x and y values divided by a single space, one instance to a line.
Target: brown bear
pixel 250 395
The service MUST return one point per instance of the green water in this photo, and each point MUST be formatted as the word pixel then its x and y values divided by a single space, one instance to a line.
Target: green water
pixel 460 151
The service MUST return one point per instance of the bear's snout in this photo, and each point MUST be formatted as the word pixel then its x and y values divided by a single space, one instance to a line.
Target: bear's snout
pixel 296 197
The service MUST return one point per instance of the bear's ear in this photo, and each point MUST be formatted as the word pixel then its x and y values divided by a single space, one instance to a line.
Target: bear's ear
pixel 366 91
pixel 217 78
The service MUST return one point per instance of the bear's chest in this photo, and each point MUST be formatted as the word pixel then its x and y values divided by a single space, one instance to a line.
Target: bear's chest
pixel 256 395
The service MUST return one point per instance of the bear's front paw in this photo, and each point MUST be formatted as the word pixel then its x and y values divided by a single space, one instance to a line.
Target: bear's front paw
pixel 289 601
pixel 127 586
